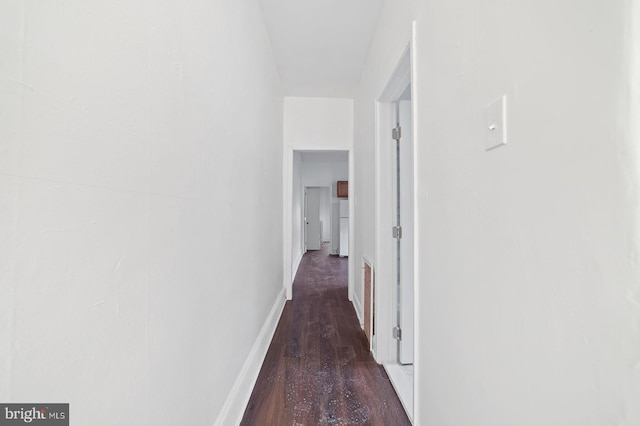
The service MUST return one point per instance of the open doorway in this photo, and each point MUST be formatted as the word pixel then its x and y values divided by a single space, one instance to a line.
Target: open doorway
pixel 317 217
pixel 393 343
pixel 314 177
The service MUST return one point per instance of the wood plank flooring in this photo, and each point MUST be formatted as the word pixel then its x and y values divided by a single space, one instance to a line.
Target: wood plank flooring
pixel 318 369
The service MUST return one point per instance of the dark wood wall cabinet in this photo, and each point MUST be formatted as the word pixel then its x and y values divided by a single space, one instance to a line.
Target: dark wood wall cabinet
pixel 343 189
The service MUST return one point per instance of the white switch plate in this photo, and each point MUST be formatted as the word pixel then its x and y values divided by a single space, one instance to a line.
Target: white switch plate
pixel 495 123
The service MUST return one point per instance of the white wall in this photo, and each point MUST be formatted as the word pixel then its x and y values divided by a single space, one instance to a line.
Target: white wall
pixel 529 281
pixel 140 204
pixel 297 215
pixel 310 124
pixel 318 123
pixel 325 212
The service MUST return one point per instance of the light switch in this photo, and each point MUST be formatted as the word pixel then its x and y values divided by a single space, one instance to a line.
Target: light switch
pixel 495 122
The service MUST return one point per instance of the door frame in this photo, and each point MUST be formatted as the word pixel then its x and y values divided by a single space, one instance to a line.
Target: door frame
pixel 306 213
pixel 289 268
pixel 384 345
pixel 386 348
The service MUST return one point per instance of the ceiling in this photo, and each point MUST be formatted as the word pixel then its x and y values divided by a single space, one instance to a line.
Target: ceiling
pixel 320 46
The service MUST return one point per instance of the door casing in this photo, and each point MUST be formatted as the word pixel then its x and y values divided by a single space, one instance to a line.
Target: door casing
pixel 384 345
pixel 287 216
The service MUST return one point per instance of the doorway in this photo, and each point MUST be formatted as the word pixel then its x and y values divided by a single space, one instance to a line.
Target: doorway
pixel 320 169
pixel 317 216
pixel 404 230
pixel 395 243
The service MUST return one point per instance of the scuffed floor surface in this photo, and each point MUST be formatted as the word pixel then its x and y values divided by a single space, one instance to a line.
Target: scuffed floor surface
pixel 318 370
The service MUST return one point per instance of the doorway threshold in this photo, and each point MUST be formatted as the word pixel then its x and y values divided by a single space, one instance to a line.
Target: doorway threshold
pixel 401 377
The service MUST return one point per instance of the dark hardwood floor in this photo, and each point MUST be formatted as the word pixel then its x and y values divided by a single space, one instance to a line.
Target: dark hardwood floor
pixel 318 369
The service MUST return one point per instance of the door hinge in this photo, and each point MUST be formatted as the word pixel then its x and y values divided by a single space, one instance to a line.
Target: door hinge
pixel 397 232
pixel 397 333
pixel 396 133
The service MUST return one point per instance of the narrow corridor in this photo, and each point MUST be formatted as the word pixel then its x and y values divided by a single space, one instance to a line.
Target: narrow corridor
pixel 318 369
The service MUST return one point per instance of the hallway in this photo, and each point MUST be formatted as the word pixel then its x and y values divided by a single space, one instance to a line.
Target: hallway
pixel 152 177
pixel 318 370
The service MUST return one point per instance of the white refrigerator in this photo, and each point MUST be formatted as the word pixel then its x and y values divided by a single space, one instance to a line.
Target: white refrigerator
pixel 344 228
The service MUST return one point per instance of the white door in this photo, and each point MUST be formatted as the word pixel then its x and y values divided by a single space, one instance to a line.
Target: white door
pixel 403 217
pixel 312 203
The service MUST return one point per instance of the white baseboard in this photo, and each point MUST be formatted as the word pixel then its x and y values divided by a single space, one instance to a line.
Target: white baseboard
pixel 358 306
pixel 233 408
